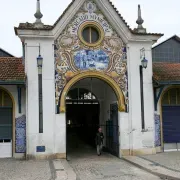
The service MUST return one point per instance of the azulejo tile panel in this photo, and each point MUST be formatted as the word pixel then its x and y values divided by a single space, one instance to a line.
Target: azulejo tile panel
pixel 73 57
pixel 20 134
pixel 89 59
pixel 157 130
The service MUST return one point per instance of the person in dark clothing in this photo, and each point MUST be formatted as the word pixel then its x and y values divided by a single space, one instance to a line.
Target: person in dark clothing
pixel 99 141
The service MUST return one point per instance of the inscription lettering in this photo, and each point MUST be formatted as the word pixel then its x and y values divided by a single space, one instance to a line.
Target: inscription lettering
pixel 89 17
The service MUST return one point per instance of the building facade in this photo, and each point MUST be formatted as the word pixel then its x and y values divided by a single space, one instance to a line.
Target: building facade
pixel 166 78
pixel 89 68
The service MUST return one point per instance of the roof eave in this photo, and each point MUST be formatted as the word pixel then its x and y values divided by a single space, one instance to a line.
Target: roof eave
pixel 160 82
pixel 13 82
pixel 33 33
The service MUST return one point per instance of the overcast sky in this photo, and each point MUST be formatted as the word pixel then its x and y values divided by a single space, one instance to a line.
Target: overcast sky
pixel 160 16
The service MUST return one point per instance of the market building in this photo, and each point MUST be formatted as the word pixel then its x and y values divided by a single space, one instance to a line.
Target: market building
pixel 88 70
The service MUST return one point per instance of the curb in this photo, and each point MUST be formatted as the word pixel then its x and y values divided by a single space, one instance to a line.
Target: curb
pixel 152 171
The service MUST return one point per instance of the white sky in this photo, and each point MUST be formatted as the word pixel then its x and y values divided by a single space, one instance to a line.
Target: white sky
pixel 161 16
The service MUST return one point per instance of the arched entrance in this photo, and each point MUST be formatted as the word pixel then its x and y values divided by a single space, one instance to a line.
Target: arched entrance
pixel 91 74
pixel 6 124
pixel 91 103
pixel 170 105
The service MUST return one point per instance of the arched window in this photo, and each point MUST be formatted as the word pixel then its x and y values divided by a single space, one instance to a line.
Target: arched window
pixel 81 95
pixel 171 97
pixel 90 34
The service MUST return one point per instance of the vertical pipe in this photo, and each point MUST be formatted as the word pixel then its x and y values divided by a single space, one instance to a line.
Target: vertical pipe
pixel 155 100
pixel 142 97
pixel 26 70
pixel 40 104
pixel 19 99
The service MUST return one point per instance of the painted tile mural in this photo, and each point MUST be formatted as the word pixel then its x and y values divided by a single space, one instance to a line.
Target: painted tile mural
pixel 21 134
pixel 89 59
pixel 157 130
pixel 73 57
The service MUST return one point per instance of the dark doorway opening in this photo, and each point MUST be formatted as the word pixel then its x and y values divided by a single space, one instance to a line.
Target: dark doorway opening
pixel 91 103
pixel 82 118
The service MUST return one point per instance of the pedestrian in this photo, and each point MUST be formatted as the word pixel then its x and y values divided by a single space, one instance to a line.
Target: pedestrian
pixel 99 141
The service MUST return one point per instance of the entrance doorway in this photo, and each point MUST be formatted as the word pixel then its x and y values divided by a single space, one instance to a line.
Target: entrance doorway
pixel 6 116
pixel 171 119
pixel 91 103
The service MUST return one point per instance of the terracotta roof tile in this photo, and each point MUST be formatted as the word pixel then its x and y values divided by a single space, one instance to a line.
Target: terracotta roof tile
pixel 30 26
pixel 11 69
pixel 166 72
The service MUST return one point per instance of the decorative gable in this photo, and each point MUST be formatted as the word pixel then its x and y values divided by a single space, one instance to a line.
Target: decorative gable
pixel 89 43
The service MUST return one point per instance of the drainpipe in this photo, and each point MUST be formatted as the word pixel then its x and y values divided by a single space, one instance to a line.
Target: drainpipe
pixel 26 85
pixel 130 104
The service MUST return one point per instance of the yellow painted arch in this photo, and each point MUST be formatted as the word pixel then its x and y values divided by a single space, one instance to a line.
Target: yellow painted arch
pixel 93 74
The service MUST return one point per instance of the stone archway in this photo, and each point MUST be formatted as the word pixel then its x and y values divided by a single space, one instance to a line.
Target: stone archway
pixel 92 74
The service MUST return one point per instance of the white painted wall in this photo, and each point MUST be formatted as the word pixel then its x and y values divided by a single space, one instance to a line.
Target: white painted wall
pixel 34 137
pixel 139 139
pixel 60 133
pixel 124 131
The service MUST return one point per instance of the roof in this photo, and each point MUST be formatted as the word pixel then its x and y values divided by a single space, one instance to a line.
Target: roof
pixel 166 72
pixel 30 26
pixel 6 52
pixel 11 70
pixel 177 38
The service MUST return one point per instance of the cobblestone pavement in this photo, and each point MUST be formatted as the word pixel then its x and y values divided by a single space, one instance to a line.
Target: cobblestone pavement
pixel 89 166
pixel 11 169
pixel 169 160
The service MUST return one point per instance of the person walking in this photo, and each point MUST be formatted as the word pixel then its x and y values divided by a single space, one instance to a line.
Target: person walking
pixel 99 141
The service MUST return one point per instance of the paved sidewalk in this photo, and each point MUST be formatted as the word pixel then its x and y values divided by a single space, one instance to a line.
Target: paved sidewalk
pixel 88 166
pixel 164 165
pixel 11 169
pixel 169 160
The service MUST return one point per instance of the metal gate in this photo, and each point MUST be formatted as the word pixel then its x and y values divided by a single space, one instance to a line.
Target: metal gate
pixel 112 131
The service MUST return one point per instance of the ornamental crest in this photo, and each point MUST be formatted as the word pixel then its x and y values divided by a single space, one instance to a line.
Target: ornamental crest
pixel 89 43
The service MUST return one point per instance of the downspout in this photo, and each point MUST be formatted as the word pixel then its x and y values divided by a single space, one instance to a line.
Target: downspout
pixel 26 85
pixel 26 121
pixel 130 104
